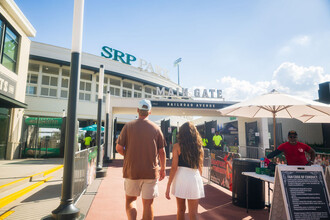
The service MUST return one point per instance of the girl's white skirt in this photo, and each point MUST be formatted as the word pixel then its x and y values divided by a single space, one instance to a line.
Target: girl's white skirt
pixel 188 184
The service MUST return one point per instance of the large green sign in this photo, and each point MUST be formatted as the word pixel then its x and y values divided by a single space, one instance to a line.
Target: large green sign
pixel 129 59
pixel 44 122
pixel 117 55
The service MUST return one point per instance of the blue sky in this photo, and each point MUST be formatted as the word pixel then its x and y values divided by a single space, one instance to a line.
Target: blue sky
pixel 245 48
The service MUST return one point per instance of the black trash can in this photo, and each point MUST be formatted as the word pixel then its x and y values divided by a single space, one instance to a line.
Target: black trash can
pixel 256 186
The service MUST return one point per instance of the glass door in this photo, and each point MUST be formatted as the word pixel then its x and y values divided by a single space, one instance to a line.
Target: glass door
pixel 4 128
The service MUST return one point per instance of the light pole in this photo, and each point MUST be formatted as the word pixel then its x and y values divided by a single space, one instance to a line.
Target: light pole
pixel 176 63
pixel 99 164
pixel 67 209
pixel 106 158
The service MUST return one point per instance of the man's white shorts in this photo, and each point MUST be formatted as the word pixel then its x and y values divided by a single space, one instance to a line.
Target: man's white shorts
pixel 148 187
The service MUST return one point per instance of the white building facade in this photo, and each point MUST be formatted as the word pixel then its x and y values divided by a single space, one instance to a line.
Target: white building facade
pixel 48 86
pixel 49 76
pixel 15 31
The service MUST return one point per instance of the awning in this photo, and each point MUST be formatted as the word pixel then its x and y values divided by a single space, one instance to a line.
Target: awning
pixel 7 102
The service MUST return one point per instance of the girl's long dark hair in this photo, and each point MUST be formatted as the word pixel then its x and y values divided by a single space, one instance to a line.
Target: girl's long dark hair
pixel 190 143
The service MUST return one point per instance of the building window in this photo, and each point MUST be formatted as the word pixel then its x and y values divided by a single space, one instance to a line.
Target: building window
pixel 115 87
pixel 33 67
pixel 127 93
pixel 137 91
pixel 148 92
pixel 114 91
pixel 65 83
pixel 32 79
pixel 49 81
pixel 85 90
pixel 64 87
pixel 48 86
pixel 32 84
pixel 127 89
pixel 9 45
pixel 50 70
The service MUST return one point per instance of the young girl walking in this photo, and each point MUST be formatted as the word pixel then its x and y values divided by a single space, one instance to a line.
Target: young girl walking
pixel 186 171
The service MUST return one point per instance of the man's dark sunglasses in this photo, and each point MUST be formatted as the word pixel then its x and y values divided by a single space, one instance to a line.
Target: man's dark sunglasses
pixel 293 136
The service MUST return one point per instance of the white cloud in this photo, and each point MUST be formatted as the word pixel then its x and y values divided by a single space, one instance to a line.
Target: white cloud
pixel 293 44
pixel 301 40
pixel 241 89
pixel 300 80
pixel 286 50
pixel 288 78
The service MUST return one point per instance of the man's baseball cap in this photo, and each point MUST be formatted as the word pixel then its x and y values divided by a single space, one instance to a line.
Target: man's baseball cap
pixel 145 104
pixel 292 132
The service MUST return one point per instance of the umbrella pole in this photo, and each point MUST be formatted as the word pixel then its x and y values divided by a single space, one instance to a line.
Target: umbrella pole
pixel 274 130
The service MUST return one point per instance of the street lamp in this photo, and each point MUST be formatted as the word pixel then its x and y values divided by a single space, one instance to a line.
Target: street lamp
pixel 67 209
pixel 176 63
pixel 106 158
pixel 99 164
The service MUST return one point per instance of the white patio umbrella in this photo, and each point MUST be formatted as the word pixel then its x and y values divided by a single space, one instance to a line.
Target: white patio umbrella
pixel 276 105
pixel 314 119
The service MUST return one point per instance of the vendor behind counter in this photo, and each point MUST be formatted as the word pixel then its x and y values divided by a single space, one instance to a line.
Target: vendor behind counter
pixel 294 151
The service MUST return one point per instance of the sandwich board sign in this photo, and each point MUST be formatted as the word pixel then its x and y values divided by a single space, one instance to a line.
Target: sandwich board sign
pixel 300 192
pixel 327 176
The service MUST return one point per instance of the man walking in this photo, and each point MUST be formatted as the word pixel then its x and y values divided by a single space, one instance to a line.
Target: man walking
pixel 141 142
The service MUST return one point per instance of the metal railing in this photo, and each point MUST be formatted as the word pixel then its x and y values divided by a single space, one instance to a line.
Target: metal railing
pixel 252 152
pixel 84 170
pixel 206 165
pixel 249 152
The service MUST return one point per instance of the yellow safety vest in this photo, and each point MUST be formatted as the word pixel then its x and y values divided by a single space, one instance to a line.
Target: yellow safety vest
pixel 205 141
pixel 217 140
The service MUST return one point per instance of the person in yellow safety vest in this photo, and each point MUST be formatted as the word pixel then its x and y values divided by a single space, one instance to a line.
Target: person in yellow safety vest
pixel 87 140
pixel 205 141
pixel 217 141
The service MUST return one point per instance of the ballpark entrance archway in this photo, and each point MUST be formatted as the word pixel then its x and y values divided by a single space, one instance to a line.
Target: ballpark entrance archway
pixel 163 107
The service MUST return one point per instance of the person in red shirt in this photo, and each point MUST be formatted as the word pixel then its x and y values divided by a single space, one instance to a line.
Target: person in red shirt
pixel 294 151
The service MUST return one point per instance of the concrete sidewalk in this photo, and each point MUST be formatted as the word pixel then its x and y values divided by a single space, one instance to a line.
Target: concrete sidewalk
pixel 37 197
pixel 109 202
pixel 41 200
pixel 105 197
pixel 11 170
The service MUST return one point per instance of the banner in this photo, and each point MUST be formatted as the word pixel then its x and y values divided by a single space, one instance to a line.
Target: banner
pixel 221 168
pixel 44 122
